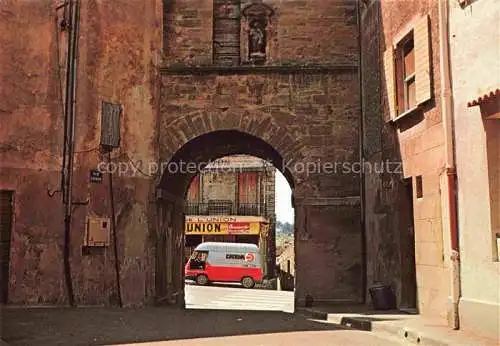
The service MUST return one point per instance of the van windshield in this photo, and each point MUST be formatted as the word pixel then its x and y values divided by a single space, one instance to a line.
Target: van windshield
pixel 198 259
pixel 199 255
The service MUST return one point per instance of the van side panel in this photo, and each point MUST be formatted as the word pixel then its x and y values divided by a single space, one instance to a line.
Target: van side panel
pixel 228 262
pixel 232 266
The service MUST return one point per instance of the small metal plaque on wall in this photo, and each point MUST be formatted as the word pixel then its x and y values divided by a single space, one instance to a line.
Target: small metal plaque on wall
pixel 95 176
pixel 110 125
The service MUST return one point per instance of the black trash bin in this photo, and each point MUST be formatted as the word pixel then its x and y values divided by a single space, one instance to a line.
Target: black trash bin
pixel 383 297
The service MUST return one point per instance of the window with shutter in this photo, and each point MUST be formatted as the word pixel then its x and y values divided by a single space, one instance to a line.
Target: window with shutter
pixel 405 74
pixel 247 187
pixel 389 81
pixel 407 68
pixel 194 189
pixel 422 61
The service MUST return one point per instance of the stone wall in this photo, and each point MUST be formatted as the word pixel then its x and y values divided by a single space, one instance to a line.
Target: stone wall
pixel 332 38
pixel 303 102
pixel 304 117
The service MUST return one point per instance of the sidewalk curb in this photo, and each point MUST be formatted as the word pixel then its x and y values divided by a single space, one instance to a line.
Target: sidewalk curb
pixel 361 323
pixel 409 334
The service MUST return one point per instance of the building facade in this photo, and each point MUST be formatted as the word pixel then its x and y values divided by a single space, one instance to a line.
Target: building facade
pixel 403 127
pixel 435 111
pixel 232 200
pixel 474 57
pixel 286 267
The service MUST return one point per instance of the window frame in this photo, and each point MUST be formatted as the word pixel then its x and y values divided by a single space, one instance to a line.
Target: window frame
pixel 402 81
pixel 417 28
pixel 419 187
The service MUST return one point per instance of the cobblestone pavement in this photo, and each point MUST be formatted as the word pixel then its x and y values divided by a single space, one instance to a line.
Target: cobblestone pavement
pixel 172 326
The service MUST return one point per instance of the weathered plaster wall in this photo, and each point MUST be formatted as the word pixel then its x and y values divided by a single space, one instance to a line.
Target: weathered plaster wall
pixel 29 150
pixel 475 69
pixel 421 143
pixel 118 53
pixel 30 99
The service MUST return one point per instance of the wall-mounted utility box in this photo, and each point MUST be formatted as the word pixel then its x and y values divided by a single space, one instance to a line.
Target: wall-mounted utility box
pixel 110 125
pixel 97 231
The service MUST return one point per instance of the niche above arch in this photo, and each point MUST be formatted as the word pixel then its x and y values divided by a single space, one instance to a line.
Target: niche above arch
pixel 256 32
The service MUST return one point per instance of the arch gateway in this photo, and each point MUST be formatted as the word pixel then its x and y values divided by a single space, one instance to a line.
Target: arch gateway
pixel 195 81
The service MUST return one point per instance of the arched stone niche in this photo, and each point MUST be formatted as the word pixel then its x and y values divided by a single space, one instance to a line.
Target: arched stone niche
pixel 257 33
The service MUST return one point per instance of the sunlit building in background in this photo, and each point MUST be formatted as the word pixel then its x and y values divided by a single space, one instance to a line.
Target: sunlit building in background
pixel 233 200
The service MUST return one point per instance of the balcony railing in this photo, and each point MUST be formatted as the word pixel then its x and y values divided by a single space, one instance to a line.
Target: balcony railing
pixel 221 207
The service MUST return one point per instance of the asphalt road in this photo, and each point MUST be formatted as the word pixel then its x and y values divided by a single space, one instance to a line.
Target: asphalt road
pixel 215 316
pixel 226 297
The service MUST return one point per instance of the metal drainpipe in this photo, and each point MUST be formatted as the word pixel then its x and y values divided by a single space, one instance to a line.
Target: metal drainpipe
pixel 361 158
pixel 450 169
pixel 71 114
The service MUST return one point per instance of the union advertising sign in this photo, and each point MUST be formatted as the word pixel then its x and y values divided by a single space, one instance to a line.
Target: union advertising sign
pixel 221 228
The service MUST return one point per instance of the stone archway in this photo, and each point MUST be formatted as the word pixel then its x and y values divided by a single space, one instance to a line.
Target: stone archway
pixel 310 120
pixel 325 226
pixel 171 193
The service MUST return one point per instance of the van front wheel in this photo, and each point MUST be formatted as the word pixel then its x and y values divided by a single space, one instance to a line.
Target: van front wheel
pixel 247 282
pixel 201 280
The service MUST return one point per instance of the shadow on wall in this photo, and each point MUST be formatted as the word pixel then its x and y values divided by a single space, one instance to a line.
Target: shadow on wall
pixel 389 243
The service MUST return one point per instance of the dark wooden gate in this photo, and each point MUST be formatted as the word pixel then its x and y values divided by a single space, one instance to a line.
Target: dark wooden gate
pixel 6 212
pixel 170 250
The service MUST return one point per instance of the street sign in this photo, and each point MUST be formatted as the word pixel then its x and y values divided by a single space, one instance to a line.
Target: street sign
pixel 95 176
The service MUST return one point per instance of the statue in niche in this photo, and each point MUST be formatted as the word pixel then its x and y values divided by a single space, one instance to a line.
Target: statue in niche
pixel 257 40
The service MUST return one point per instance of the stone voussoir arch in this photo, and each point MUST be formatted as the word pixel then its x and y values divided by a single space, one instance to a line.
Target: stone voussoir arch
pixel 181 131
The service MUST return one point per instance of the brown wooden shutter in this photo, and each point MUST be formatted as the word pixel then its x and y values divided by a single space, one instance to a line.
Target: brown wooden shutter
pixel 390 81
pixel 194 189
pixel 422 60
pixel 247 187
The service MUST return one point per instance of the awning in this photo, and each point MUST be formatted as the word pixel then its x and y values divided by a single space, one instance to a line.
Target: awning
pixel 484 98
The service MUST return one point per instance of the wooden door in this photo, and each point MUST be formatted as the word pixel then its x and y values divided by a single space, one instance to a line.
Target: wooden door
pixel 6 216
